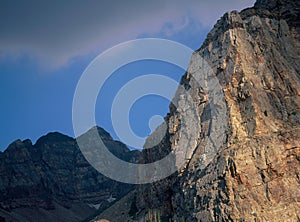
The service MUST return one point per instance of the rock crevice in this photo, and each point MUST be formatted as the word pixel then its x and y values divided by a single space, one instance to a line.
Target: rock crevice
pixel 254 173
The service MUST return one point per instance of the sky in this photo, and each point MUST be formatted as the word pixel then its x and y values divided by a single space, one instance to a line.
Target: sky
pixel 45 46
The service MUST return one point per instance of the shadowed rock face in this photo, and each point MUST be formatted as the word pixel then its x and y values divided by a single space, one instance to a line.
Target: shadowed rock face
pixel 255 54
pixel 52 181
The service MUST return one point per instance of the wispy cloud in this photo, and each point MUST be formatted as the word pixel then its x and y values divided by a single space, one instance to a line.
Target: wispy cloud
pixel 54 32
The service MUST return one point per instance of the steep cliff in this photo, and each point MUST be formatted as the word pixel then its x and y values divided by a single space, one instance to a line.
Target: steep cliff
pixel 253 173
pixel 52 181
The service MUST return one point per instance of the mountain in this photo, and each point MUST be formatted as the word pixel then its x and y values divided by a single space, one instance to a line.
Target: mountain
pixel 52 181
pixel 233 132
pixel 235 124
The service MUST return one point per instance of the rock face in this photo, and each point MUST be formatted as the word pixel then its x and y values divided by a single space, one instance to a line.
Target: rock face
pixel 52 181
pixel 254 174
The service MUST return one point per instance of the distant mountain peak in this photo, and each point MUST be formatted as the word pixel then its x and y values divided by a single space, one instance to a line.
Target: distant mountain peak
pixel 53 176
pixel 19 144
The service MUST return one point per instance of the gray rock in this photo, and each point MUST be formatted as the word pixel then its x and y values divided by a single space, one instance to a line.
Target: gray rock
pixel 253 174
pixel 52 179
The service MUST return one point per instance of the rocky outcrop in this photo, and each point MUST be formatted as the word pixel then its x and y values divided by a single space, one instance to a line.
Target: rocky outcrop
pixel 253 175
pixel 52 181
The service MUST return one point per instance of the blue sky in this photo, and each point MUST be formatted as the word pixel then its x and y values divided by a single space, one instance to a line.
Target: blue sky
pixel 46 45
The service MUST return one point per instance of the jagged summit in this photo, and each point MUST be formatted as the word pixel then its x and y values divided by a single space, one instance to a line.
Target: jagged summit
pixel 55 137
pixel 272 4
pixel 52 181
pixel 102 133
pixel 18 144
pixel 255 54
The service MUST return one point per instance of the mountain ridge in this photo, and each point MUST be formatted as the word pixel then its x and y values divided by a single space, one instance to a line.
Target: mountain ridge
pixel 255 55
pixel 51 179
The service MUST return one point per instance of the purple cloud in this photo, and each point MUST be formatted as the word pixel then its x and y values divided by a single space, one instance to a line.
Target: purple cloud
pixel 55 32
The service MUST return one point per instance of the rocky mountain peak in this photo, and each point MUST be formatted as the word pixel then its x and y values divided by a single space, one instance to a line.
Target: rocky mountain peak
pixel 273 4
pixel 53 137
pixel 101 132
pixel 255 55
pixel 18 145
pixel 52 179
